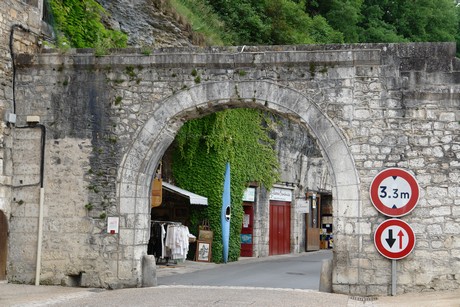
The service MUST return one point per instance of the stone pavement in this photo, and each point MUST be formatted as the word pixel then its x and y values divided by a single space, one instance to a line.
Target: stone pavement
pixel 29 295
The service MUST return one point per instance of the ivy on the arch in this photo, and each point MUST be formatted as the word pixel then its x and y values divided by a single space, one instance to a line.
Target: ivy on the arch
pixel 203 146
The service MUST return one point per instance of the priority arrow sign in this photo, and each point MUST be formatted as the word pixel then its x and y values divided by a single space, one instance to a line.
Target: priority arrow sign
pixel 390 239
pixel 394 239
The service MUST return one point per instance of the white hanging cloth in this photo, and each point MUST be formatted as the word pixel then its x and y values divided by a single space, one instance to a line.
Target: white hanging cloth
pixel 177 241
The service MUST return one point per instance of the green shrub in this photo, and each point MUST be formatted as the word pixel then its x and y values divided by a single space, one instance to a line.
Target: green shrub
pixel 78 23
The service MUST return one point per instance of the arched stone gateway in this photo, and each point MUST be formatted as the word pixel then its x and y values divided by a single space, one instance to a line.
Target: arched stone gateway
pixel 150 143
pixel 110 119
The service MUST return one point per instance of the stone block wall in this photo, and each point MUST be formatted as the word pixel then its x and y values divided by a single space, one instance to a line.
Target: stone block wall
pixel 13 14
pixel 369 107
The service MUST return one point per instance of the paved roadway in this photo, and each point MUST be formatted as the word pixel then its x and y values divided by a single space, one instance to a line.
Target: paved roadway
pixel 280 270
pixel 299 271
pixel 184 296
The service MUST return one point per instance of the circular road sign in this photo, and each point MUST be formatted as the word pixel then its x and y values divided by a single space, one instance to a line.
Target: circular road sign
pixel 394 192
pixel 394 239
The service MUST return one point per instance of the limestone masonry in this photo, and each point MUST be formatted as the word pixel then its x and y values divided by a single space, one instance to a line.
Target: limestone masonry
pixel 110 119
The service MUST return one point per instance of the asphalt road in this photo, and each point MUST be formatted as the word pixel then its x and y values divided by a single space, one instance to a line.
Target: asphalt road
pixel 298 274
pixel 300 271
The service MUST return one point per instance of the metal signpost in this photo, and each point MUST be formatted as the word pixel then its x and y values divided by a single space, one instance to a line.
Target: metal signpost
pixel 394 239
pixel 394 192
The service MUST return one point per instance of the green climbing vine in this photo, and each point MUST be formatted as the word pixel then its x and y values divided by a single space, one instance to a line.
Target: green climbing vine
pixel 78 24
pixel 203 146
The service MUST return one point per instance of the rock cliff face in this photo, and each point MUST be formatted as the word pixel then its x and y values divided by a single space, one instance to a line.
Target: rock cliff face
pixel 146 23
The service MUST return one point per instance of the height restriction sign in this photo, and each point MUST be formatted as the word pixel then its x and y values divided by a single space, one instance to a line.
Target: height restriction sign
pixel 394 239
pixel 394 192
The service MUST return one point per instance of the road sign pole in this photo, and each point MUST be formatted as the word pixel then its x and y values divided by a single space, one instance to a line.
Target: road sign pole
pixel 393 277
pixel 394 192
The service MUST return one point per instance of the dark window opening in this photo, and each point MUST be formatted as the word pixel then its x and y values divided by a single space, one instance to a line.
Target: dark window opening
pixel 47 14
pixel 31 2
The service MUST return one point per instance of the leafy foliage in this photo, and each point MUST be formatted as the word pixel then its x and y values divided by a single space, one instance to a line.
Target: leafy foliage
pixel 345 16
pixel 78 23
pixel 204 20
pixel 380 21
pixel 291 25
pixel 274 22
pixel 422 20
pixel 330 21
pixel 204 146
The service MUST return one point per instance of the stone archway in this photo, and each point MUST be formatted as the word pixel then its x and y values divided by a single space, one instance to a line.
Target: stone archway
pixel 3 244
pixel 157 134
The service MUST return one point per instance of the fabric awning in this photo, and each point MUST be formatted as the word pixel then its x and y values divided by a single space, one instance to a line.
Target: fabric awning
pixel 195 199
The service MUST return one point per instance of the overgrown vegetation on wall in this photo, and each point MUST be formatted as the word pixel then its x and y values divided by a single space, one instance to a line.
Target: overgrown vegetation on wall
pixel 78 24
pixel 239 136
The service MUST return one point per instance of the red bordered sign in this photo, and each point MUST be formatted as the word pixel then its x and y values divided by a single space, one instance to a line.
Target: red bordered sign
pixel 394 239
pixel 394 192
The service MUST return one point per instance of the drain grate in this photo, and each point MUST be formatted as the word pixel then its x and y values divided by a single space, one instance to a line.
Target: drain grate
pixel 96 290
pixel 363 298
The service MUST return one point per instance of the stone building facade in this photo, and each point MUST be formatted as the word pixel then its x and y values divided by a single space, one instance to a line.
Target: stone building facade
pixel 11 12
pixel 108 121
pixel 20 32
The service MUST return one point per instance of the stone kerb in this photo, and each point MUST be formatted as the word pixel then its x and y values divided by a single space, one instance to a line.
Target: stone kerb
pixel 157 134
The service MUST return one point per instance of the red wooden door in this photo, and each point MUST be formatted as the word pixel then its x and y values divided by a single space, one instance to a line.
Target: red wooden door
pixel 3 245
pixel 280 228
pixel 247 230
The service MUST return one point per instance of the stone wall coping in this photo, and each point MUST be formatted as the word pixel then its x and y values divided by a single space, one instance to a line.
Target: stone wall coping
pixel 238 56
pixel 404 48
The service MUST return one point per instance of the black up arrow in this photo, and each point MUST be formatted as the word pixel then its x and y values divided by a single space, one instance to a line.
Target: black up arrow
pixel 390 239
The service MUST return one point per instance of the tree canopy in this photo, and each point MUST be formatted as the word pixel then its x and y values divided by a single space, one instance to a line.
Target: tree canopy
pixel 335 21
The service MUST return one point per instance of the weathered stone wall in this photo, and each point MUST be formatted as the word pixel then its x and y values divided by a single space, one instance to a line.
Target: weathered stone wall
pixel 20 23
pixel 80 168
pixel 22 19
pixel 368 107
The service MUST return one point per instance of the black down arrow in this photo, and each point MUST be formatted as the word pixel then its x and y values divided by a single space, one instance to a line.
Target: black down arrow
pixel 390 239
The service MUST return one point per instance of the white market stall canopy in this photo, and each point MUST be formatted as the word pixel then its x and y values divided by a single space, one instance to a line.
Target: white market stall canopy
pixel 195 199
